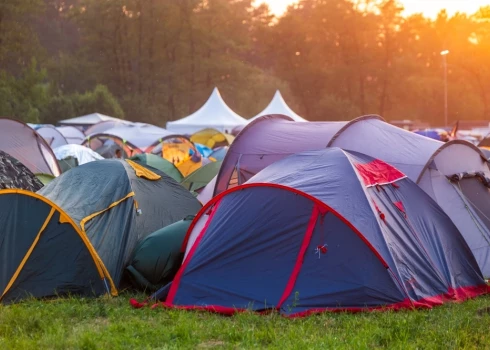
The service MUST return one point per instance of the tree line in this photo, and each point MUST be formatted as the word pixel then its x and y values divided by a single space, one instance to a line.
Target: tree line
pixel 158 60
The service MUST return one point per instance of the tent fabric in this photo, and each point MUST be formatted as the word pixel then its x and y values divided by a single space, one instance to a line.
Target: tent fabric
pixel 24 144
pixel 117 214
pixel 45 178
pixel 53 137
pixel 14 174
pixel 159 163
pixel 88 120
pixel 197 180
pixel 309 234
pixel 267 140
pixel 157 258
pixel 212 138
pixel 44 254
pixel 430 164
pixel 213 114
pixel 100 127
pixel 71 134
pixel 206 194
pixel 279 106
pixel 219 154
pixel 81 153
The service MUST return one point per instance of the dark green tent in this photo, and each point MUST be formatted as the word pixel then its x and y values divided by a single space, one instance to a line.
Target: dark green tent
pixel 158 257
pixel 159 163
pixel 43 252
pixel 201 177
pixel 118 203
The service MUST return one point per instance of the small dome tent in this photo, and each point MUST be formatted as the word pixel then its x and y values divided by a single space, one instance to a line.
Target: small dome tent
pixel 279 106
pixel 53 137
pixel 81 153
pixel 212 138
pixel 159 163
pixel 14 174
pixel 324 231
pixel 72 135
pixel 215 114
pixel 26 145
pixel 116 215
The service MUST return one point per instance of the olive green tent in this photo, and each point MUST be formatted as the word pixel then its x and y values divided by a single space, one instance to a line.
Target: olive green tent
pixel 158 163
pixel 45 178
pixel 201 177
pixel 157 258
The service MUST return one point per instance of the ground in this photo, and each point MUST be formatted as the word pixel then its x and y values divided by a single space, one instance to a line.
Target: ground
pixel 110 323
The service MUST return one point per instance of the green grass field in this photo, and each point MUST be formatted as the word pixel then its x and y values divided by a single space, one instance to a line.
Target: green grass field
pixel 106 323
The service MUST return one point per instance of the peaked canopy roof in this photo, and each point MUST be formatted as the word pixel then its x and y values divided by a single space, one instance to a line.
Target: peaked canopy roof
pixel 215 113
pixel 279 106
pixel 87 120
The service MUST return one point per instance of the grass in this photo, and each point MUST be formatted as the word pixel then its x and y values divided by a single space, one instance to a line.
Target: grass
pixel 106 323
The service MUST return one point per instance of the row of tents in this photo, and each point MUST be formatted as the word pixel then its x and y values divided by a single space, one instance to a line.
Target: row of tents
pixel 298 217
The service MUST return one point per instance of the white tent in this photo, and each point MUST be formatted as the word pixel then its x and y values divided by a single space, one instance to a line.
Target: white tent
pixel 279 106
pixel 88 120
pixel 213 114
pixel 81 153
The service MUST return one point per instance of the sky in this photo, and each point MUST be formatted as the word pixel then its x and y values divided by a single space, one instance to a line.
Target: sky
pixel 429 8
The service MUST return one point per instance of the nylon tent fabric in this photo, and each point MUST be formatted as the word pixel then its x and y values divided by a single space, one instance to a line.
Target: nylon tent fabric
pixel 45 178
pixel 212 138
pixel 219 154
pixel 81 153
pixel 53 137
pixel 72 135
pixel 14 174
pixel 279 106
pixel 324 231
pixel 197 180
pixel 267 140
pixel 215 114
pixel 157 258
pixel 43 252
pixel 159 163
pixel 116 208
pixel 430 163
pixel 206 194
pixel 24 144
pixel 100 127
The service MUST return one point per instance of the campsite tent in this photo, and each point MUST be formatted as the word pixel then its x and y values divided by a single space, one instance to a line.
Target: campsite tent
pixel 115 215
pixel 24 144
pixel 72 135
pixel 266 140
pixel 219 154
pixel 44 253
pixel 105 125
pixel 455 174
pixel 212 138
pixel 213 114
pixel 53 137
pixel 88 120
pixel 197 180
pixel 81 153
pixel 159 163
pixel 206 194
pixel 279 106
pixel 324 230
pixel 14 174
pixel 45 178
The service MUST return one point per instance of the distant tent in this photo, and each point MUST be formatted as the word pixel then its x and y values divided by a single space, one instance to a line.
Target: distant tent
pixel 213 114
pixel 197 180
pixel 26 145
pixel 51 135
pixel 14 174
pixel 159 163
pixel 88 120
pixel 81 153
pixel 206 193
pixel 212 138
pixel 157 258
pixel 349 233
pixel 115 215
pixel 44 253
pixel 71 134
pixel 45 178
pixel 219 154
pixel 105 125
pixel 279 106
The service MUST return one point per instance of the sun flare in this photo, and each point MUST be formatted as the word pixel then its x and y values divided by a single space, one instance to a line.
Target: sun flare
pixel 430 8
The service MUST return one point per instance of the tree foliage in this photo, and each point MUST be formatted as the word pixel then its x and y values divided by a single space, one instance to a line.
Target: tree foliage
pixel 158 60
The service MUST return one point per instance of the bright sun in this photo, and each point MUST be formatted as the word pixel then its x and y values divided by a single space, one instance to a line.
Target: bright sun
pixel 429 8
